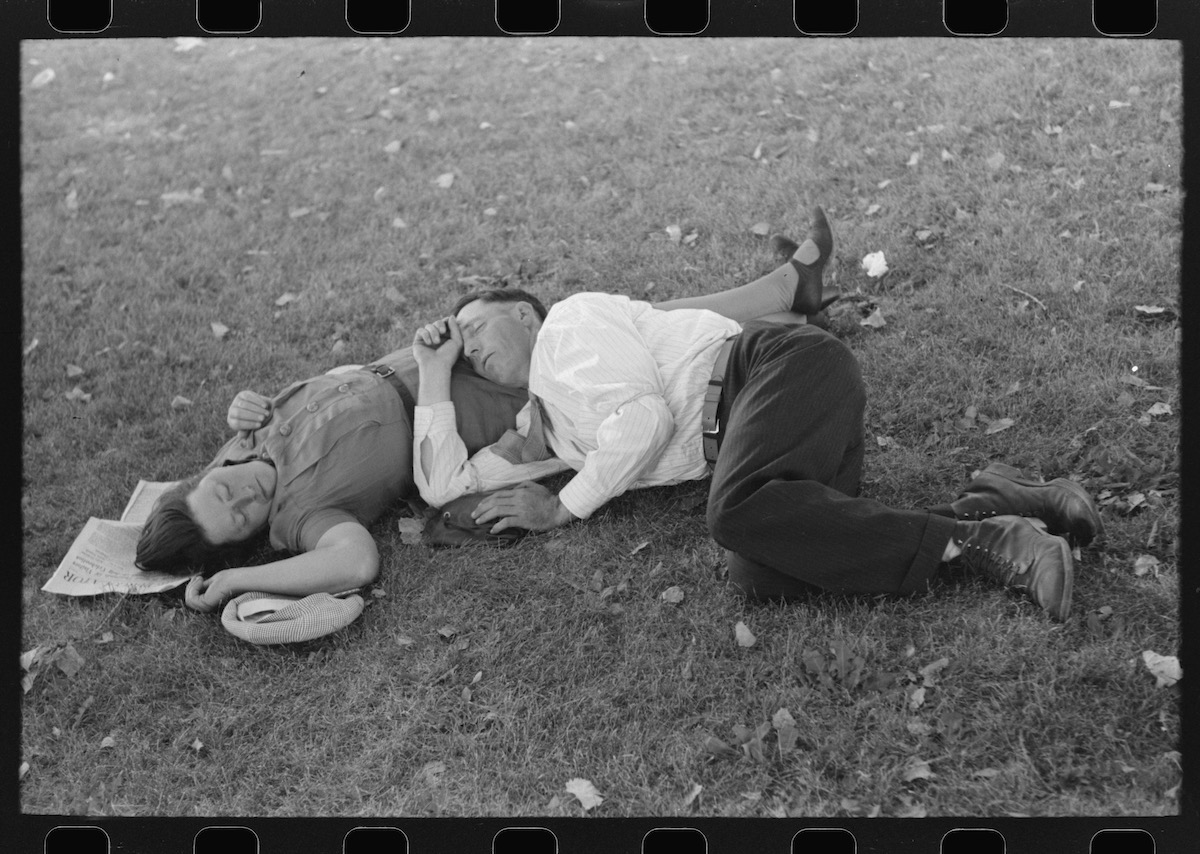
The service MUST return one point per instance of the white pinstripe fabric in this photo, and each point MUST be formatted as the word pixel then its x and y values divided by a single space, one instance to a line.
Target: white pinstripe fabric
pixel 622 385
pixel 304 619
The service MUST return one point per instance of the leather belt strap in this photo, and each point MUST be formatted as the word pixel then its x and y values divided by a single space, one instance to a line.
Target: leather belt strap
pixel 710 422
pixel 388 373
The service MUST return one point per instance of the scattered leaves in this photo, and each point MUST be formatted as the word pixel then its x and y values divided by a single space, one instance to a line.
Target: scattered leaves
pixel 761 229
pixel 180 402
pixel 448 631
pixel 285 298
pixel 74 371
pixel 873 209
pixel 78 394
pixel 410 530
pixel 672 595
pixel 1146 565
pixel 916 698
pixel 913 159
pixel 108 742
pixel 917 769
pixel 1165 668
pixel 687 801
pixel 874 320
pixel 997 425
pixel 875 264
pixel 675 233
pixel 585 792
pixel 639 547
pixel 743 635
pixel 715 747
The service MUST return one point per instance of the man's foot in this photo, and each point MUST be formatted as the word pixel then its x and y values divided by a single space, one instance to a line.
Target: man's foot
pixel 809 260
pixel 1019 554
pixel 1062 504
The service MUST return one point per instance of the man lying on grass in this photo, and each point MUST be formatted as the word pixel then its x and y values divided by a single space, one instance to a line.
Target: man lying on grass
pixel 318 463
pixel 618 393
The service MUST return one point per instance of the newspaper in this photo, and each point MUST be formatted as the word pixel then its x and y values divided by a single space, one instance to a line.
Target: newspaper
pixel 101 558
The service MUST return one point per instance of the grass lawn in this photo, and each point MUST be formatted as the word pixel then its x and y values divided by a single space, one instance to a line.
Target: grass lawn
pixel 1027 197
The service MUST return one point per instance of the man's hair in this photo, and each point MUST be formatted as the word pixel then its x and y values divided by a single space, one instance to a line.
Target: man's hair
pixel 172 541
pixel 500 295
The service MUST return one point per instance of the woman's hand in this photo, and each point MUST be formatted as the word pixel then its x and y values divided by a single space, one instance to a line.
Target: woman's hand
pixel 208 594
pixel 249 411
pixel 438 344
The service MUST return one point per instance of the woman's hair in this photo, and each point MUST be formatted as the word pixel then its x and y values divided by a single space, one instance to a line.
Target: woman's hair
pixel 172 542
pixel 501 295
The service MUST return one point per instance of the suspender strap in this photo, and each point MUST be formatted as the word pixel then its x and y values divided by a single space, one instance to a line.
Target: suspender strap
pixel 386 372
pixel 710 424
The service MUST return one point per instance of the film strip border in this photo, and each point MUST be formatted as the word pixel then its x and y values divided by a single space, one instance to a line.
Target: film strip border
pixel 1117 18
pixel 635 836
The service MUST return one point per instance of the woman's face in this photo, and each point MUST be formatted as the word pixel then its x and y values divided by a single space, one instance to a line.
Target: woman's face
pixel 232 503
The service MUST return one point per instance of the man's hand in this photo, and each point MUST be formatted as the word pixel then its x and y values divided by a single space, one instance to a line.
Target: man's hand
pixel 249 411
pixel 438 344
pixel 208 594
pixel 528 505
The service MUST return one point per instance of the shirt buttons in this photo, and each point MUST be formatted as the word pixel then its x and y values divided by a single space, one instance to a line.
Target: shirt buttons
pixel 343 388
pixel 285 429
pixel 312 407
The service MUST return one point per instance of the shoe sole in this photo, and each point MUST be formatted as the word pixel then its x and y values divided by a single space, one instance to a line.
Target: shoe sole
pixel 1012 474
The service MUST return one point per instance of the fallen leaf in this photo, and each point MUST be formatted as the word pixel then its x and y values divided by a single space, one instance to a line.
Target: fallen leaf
pixel 186 43
pixel 946 156
pixel 570 125
pixel 675 233
pixel 918 769
pixel 108 742
pixel 296 213
pixel 998 425
pixel 884 183
pixel 715 747
pixel 490 212
pixel 762 229
pixel 178 197
pixel 1154 188
pixel 74 371
pixel 1149 309
pixel 917 698
pixel 78 394
pixel 929 671
pixel 995 161
pixel 410 530
pixel 687 801
pixel 873 209
pixel 1052 130
pixel 1157 409
pixel 285 298
pixel 107 637
pixel 986 773
pixel 639 547
pixel 874 320
pixel 1165 668
pixel 180 402
pixel 197 745
pixel 399 223
pixel 431 772
pixel 392 147
pixel 24 769
pixel 391 294
pixel 923 235
pixel 1116 105
pixel 585 792
pixel 43 77
pixel 403 640
pixel 757 155
pixel 448 631
pixel 918 728
pixel 910 810
pixel 445 180
pixel 875 264
pixel 485 125
pixel 672 595
pixel 691 238
pixel 1146 564
pixel 743 635
pixel 32 346
pixel 72 200
pixel 914 159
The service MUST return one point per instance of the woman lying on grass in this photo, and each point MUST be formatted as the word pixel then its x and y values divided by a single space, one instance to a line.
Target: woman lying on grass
pixel 318 463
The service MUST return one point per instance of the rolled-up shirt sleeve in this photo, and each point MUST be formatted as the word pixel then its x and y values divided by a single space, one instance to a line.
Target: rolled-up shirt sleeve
pixel 628 442
pixel 445 472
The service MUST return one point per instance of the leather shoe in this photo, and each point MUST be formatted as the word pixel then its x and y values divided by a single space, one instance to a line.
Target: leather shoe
pixel 1018 553
pixel 1062 504
pixel 808 290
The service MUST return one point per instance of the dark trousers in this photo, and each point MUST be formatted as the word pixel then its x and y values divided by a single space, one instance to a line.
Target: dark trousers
pixel 784 493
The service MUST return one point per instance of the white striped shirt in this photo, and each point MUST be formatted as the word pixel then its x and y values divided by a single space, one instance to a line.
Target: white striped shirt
pixel 622 385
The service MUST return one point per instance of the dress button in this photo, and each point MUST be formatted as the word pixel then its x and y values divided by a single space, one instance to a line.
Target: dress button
pixel 312 407
pixel 343 388
pixel 284 430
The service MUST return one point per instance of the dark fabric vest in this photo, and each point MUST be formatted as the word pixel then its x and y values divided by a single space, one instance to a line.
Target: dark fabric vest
pixel 483 409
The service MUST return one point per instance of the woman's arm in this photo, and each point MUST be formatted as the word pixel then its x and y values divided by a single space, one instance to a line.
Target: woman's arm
pixel 345 558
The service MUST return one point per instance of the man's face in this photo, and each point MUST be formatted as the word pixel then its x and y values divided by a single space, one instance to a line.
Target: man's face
pixel 232 503
pixel 498 340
